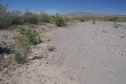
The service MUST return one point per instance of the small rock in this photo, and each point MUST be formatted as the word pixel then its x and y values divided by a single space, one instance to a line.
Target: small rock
pixel 122 37
pixel 51 48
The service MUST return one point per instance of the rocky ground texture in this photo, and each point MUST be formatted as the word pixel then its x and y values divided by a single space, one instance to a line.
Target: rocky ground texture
pixel 82 53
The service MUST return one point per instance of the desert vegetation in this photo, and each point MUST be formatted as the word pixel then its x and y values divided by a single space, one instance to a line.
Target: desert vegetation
pixel 10 18
pixel 25 38
pixel 59 21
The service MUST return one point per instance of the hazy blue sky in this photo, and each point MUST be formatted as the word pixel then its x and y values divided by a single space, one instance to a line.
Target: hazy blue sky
pixel 115 6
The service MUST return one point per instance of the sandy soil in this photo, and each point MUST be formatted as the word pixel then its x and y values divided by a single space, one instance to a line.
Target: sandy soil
pixel 85 54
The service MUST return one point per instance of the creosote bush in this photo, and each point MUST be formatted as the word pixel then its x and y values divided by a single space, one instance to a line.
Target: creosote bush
pixel 5 21
pixel 60 21
pixel 45 18
pixel 28 35
pixel 25 38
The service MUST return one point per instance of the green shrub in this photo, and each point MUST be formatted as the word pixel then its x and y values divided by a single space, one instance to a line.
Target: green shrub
pixel 31 19
pixel 18 20
pixel 5 18
pixel 28 36
pixel 25 38
pixel 44 18
pixel 19 58
pixel 113 19
pixel 52 19
pixel 60 21
pixel 5 21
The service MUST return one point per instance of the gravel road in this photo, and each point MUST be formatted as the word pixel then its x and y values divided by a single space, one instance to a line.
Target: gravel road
pixel 97 52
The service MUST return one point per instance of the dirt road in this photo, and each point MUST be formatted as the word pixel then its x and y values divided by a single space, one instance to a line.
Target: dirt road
pixel 97 52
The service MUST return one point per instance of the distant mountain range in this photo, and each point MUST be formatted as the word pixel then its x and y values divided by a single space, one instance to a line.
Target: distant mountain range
pixel 81 13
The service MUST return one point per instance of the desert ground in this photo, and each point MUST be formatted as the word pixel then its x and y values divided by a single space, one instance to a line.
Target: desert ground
pixel 85 53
